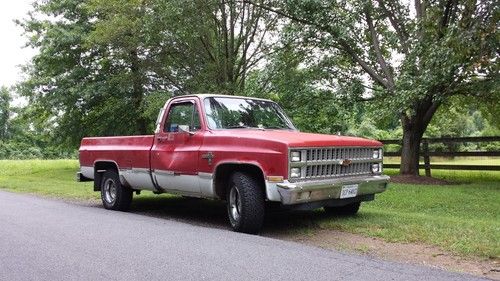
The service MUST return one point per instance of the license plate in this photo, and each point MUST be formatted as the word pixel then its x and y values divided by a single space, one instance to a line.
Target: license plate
pixel 349 191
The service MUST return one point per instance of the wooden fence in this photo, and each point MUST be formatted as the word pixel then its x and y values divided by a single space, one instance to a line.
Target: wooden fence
pixel 426 154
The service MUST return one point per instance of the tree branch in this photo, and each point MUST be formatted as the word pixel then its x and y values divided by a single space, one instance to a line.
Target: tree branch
pixel 419 9
pixel 207 47
pixel 400 30
pixel 429 113
pixel 378 52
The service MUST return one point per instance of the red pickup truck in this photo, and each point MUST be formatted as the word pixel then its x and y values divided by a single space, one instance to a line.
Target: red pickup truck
pixel 238 149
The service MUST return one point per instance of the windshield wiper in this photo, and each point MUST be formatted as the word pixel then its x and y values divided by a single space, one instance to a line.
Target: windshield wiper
pixel 237 127
pixel 278 128
pixel 243 127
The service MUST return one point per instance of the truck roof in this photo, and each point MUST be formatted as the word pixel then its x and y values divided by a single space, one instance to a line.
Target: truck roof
pixel 207 95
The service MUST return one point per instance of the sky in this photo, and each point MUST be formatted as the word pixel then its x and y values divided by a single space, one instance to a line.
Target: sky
pixel 12 53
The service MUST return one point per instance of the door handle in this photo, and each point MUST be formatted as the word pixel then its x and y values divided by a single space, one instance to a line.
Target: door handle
pixel 161 139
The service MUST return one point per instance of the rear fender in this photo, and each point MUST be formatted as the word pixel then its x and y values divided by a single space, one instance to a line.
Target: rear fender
pixel 100 167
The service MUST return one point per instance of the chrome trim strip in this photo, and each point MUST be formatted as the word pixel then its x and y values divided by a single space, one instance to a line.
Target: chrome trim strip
pixel 205 175
pixel 164 172
pixel 140 170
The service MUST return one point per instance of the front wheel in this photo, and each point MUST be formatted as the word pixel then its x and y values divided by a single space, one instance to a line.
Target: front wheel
pixel 245 203
pixel 346 210
pixel 114 196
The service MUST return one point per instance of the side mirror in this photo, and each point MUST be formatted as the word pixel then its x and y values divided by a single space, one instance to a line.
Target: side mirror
pixel 185 129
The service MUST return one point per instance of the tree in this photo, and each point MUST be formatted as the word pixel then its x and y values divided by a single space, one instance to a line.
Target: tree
pixel 5 100
pixel 410 57
pixel 71 88
pixel 211 45
pixel 106 67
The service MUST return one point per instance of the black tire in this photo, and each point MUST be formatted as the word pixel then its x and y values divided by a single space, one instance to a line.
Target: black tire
pixel 114 196
pixel 346 210
pixel 247 213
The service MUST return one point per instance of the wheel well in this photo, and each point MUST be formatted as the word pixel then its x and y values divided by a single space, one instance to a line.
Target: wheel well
pixel 99 168
pixel 224 172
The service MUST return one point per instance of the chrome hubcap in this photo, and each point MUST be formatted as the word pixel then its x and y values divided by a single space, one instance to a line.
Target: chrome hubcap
pixel 109 191
pixel 234 203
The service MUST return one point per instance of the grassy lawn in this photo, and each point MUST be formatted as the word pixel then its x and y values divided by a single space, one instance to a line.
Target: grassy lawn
pixel 463 217
pixel 453 161
pixel 53 178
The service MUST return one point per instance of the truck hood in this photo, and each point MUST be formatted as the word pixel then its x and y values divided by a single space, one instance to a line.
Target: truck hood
pixel 299 139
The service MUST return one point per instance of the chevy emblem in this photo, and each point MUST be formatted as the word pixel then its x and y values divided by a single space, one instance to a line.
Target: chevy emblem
pixel 346 162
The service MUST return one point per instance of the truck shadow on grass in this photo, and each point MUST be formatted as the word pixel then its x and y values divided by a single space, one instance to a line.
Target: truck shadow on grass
pixel 212 213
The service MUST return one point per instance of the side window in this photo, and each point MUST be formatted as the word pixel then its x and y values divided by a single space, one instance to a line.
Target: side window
pixel 182 114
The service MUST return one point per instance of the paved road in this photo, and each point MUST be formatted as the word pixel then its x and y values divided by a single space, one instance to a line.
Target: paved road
pixel 44 239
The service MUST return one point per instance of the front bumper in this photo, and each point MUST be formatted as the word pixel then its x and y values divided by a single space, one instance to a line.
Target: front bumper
pixel 311 191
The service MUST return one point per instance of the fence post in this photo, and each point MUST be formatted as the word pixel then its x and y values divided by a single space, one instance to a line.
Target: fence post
pixel 427 161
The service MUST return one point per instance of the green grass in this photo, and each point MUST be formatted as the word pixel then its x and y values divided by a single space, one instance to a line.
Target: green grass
pixel 52 178
pixel 453 161
pixel 460 177
pixel 463 217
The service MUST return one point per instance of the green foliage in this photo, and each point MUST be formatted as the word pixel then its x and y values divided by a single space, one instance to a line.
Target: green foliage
pixel 23 150
pixel 410 59
pixel 107 67
pixel 294 87
pixel 24 137
pixel 433 55
pixel 103 64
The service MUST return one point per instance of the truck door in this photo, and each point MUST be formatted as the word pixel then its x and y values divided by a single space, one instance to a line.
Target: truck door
pixel 174 155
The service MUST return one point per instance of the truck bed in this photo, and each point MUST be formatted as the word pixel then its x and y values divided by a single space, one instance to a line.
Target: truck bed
pixel 127 152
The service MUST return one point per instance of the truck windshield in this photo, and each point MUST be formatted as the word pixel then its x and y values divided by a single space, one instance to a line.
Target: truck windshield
pixel 234 113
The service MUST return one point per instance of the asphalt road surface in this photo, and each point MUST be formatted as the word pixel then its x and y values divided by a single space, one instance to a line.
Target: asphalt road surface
pixel 43 239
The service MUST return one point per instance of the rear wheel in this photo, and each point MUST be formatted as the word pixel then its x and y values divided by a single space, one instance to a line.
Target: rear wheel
pixel 346 210
pixel 245 203
pixel 114 196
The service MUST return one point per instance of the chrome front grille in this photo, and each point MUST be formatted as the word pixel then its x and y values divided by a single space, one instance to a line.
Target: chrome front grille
pixel 324 154
pixel 336 170
pixel 329 162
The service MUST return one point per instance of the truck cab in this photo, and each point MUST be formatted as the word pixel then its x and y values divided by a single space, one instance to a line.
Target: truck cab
pixel 243 150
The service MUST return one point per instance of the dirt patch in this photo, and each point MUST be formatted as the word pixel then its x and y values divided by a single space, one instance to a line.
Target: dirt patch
pixel 418 180
pixel 410 253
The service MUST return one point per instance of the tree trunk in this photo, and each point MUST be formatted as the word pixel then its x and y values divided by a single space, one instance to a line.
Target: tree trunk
pixel 414 127
pixel 411 150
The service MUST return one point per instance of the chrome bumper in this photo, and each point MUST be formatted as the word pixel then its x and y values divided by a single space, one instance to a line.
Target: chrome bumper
pixel 311 191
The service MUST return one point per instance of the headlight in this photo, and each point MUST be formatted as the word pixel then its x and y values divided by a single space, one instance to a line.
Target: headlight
pixel 377 168
pixel 295 156
pixel 377 153
pixel 295 173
